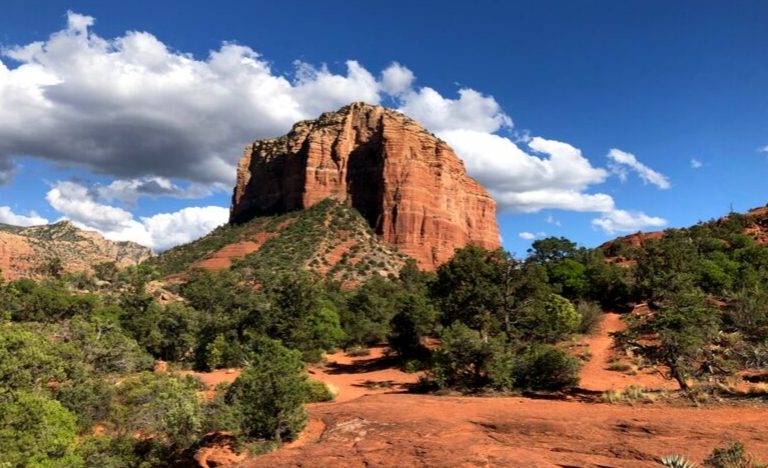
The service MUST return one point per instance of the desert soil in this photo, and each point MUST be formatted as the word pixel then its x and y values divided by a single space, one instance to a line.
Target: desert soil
pixel 374 423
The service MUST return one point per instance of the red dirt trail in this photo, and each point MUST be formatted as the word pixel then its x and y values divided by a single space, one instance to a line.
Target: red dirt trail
pixel 595 374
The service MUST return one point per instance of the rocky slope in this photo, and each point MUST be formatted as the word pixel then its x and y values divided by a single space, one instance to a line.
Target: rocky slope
pixel 408 185
pixel 756 221
pixel 24 251
pixel 328 238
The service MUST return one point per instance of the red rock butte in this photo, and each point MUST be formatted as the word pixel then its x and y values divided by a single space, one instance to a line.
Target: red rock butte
pixel 409 185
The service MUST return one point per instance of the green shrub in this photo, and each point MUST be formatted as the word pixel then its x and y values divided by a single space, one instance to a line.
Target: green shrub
pixel 158 405
pixel 552 319
pixel 501 370
pixel 546 367
pixel 109 452
pixel 271 391
pixel 318 391
pixel 462 359
pixel 220 414
pixel 36 431
pixel 733 455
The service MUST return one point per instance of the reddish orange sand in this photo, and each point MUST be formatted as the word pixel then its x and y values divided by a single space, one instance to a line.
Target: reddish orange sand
pixel 402 430
pixel 384 427
pixel 353 377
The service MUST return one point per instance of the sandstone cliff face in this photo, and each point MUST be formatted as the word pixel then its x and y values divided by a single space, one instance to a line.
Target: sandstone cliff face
pixel 409 186
pixel 24 250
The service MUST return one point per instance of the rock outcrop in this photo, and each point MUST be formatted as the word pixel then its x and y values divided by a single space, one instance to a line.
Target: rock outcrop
pixel 24 251
pixel 409 185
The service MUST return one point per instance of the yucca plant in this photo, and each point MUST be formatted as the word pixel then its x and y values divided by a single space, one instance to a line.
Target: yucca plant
pixel 677 461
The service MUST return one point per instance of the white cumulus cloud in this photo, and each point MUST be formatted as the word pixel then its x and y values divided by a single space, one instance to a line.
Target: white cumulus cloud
pixel 649 176
pixel 696 164
pixel 131 106
pixel 617 221
pixel 7 216
pixel 553 175
pixel 525 235
pixel 77 203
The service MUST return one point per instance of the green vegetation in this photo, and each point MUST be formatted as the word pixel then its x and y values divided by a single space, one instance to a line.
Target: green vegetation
pixel 706 288
pixel 294 241
pixel 271 393
pixel 76 350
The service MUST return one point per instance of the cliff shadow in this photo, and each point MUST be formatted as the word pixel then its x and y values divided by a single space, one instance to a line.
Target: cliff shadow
pixel 365 180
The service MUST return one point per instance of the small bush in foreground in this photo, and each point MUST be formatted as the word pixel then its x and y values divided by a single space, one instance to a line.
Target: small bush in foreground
pixel 271 391
pixel 677 461
pixel 734 455
pixel 318 392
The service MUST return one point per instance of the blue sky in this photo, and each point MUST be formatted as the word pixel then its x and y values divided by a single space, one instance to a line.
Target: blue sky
pixel 94 128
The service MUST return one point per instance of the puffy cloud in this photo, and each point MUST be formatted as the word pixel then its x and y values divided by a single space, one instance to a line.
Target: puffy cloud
pixel 554 175
pixel 133 107
pixel 170 229
pixel 7 216
pixel 396 79
pixel 472 111
pixel 648 175
pixel 77 202
pixel 696 164
pixel 763 149
pixel 616 221
pixel 525 235
pixel 128 191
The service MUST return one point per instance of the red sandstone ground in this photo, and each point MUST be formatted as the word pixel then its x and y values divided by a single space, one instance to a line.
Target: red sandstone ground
pixel 384 427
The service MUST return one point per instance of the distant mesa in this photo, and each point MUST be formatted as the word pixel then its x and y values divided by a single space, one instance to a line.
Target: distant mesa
pixel 25 250
pixel 408 185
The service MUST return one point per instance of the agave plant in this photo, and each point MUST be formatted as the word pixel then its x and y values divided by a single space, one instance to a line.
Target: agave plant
pixel 677 461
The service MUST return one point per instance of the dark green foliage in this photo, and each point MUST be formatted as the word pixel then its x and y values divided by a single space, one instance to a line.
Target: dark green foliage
pixel 546 367
pixel 415 319
pixel 157 404
pixel 502 310
pixel 303 317
pixel 748 314
pixel 552 250
pixel 89 400
pixel 220 414
pixel 50 301
pixel 549 319
pixel 569 278
pixel 36 431
pixel 111 452
pixel 318 391
pixel 686 327
pixel 28 361
pixel 468 288
pixel 462 359
pixel 105 346
pixel 368 311
pixel 271 392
